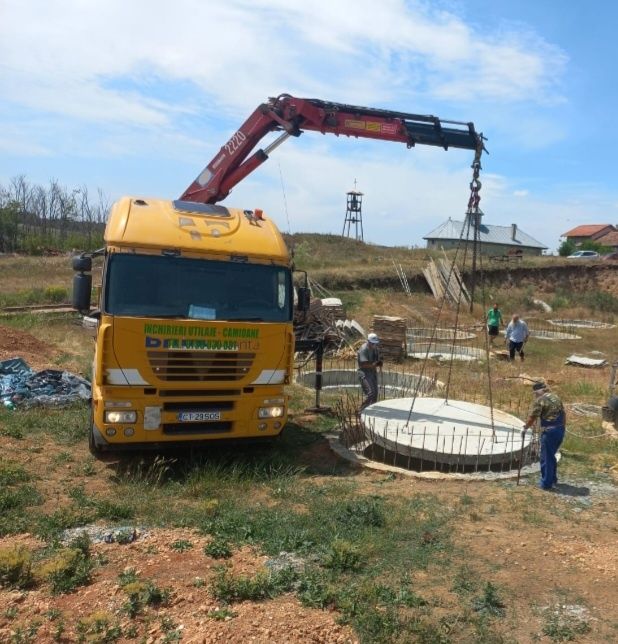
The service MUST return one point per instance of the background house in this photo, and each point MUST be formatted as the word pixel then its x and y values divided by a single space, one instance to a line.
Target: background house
pixel 494 240
pixel 588 232
pixel 609 239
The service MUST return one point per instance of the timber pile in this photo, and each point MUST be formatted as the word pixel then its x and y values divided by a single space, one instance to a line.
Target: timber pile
pixel 392 334
pixel 445 281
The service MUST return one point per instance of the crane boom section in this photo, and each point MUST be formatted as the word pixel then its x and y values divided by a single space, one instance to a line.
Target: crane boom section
pixel 292 116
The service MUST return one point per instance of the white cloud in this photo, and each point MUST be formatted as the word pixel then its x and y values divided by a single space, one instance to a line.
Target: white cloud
pixel 66 56
pixel 520 193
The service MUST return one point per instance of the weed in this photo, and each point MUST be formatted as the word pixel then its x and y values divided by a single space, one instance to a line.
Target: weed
pixel 564 623
pixel 11 473
pixel 343 556
pixel 465 581
pixel 199 582
pixel 18 498
pixel 181 545
pixel 489 602
pixel 222 614
pixel 170 629
pixel 63 457
pixel 11 612
pixel 98 627
pixel 218 549
pixel 88 469
pixel 53 614
pixel 15 567
pixel 67 570
pixel 465 499
pixel 366 511
pixel 265 585
pixel 26 636
pixel 113 511
pixel 141 593
pixel 10 431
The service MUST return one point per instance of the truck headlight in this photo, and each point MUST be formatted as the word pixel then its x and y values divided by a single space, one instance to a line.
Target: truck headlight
pixel 120 416
pixel 270 412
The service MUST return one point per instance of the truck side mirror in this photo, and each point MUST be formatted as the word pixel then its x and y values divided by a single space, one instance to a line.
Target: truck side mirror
pixel 82 283
pixel 82 263
pixel 304 298
pixel 82 289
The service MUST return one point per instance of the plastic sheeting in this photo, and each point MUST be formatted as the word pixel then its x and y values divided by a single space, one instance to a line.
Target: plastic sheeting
pixel 21 386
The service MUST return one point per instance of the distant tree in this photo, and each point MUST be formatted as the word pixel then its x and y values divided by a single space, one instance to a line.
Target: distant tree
pixel 9 226
pixel 566 248
pixel 590 244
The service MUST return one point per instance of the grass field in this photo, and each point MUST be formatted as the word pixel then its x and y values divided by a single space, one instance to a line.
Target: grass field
pixel 292 544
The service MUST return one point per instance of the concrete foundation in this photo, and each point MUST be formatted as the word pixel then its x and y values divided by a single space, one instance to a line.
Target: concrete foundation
pixel 427 333
pixel 451 432
pixel 583 324
pixel 544 334
pixel 418 351
pixel 392 382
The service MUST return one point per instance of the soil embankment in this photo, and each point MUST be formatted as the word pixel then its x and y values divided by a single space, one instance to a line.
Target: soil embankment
pixel 578 277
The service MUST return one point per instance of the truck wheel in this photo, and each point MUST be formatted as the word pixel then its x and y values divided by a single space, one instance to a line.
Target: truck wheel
pixel 95 450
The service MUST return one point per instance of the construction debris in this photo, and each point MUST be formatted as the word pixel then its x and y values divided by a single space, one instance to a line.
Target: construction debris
pixel 21 386
pixel 392 334
pixel 445 281
pixel 326 321
pixel 582 361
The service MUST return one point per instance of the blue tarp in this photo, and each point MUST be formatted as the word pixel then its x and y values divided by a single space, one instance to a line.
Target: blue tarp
pixel 24 387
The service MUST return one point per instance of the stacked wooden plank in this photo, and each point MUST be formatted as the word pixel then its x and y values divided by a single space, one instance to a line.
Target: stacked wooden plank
pixel 445 281
pixel 392 334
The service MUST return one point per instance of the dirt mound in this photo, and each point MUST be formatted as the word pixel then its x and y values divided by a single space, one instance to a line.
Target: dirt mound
pixel 20 344
pixel 175 561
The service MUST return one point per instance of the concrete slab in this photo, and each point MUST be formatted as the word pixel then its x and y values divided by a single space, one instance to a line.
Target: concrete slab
pixel 443 431
pixel 439 351
pixel 427 333
pixel 583 324
pixel 393 382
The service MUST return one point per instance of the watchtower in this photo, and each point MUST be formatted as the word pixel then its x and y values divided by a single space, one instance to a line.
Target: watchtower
pixel 354 215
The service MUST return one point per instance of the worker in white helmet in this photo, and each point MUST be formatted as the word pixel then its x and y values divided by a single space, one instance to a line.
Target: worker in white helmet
pixel 369 361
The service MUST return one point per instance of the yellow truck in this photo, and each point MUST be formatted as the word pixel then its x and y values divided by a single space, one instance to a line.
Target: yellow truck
pixel 194 337
pixel 194 334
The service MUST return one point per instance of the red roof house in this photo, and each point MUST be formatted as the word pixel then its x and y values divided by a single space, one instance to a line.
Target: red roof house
pixel 588 231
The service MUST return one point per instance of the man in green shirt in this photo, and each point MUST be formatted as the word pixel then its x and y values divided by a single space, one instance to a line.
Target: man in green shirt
pixel 494 322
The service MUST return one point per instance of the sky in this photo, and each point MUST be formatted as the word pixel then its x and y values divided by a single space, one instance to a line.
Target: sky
pixel 137 97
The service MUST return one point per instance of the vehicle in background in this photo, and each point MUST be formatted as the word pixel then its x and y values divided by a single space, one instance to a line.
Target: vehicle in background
pixel 584 254
pixel 610 257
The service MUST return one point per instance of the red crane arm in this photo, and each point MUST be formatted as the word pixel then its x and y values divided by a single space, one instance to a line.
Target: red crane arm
pixel 294 115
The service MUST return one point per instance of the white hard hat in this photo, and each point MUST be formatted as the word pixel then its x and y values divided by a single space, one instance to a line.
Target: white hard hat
pixel 373 338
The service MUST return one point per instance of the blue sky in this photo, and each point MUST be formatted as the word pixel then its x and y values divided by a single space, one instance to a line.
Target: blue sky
pixel 136 97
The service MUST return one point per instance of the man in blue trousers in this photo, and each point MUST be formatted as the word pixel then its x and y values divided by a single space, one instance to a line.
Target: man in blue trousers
pixel 548 408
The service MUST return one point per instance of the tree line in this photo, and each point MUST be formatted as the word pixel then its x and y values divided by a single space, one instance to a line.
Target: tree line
pixel 41 219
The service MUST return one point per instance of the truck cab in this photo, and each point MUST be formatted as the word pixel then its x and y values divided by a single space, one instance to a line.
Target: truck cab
pixel 194 338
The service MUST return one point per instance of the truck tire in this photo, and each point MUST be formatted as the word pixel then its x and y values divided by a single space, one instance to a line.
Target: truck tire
pixel 95 450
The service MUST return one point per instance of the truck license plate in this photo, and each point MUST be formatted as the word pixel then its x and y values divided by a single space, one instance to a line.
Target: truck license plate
pixel 198 416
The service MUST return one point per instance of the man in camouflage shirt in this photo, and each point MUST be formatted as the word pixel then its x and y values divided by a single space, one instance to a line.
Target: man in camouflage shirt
pixel 548 408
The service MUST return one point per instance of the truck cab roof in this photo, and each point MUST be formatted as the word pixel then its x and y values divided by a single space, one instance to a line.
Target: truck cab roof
pixel 194 227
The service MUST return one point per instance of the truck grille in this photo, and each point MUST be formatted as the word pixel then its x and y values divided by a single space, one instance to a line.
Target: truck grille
pixel 177 366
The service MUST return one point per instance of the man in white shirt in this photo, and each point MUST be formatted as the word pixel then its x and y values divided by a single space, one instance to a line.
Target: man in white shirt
pixel 517 335
pixel 369 361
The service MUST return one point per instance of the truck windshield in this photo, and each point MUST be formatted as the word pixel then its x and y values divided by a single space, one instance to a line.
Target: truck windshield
pixel 175 287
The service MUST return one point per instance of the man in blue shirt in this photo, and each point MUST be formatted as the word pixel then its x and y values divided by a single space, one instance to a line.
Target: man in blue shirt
pixel 516 336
